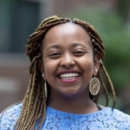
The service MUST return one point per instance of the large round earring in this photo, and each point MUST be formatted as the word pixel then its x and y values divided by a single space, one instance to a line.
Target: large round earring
pixel 45 86
pixel 94 86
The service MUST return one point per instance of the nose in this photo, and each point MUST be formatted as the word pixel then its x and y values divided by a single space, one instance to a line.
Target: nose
pixel 67 60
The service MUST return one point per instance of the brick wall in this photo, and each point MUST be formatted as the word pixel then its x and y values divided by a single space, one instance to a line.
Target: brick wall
pixel 13 79
pixel 63 7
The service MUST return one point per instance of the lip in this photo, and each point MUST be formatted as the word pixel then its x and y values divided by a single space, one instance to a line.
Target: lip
pixel 69 81
pixel 68 71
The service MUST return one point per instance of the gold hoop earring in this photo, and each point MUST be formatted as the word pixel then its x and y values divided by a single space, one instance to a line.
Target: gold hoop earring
pixel 94 86
pixel 45 86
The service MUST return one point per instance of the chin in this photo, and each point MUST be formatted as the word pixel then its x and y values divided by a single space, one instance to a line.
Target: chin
pixel 70 92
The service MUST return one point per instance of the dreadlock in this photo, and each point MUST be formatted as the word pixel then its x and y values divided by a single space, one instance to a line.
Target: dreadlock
pixel 34 103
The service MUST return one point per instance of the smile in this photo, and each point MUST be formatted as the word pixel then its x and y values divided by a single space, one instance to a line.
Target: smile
pixel 68 77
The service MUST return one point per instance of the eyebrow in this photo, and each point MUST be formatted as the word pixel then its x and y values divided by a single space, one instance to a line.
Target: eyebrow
pixel 73 45
pixel 53 46
pixel 78 44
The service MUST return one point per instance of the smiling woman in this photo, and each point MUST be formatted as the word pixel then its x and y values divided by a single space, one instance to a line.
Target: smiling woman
pixel 65 76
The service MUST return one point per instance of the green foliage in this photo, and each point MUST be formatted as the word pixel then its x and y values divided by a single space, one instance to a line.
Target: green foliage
pixel 116 37
pixel 102 101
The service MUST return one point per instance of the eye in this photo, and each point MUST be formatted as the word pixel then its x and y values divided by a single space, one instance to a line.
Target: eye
pixel 55 54
pixel 79 53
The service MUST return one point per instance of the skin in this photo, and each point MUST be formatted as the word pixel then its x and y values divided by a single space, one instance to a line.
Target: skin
pixel 68 47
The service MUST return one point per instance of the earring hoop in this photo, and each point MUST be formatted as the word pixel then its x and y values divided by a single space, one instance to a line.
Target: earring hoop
pixel 94 86
pixel 45 87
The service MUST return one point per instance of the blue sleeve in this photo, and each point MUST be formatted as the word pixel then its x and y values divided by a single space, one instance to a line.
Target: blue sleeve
pixel 9 117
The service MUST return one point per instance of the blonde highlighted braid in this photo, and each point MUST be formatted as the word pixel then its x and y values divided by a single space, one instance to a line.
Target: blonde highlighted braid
pixel 34 103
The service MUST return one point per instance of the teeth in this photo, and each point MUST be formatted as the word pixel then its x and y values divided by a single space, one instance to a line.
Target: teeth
pixel 69 75
pixel 68 78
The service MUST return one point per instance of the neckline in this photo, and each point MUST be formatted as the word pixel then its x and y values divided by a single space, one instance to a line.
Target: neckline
pixel 52 110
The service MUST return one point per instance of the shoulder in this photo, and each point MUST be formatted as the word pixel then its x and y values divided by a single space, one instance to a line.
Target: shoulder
pixel 9 116
pixel 121 115
pixel 119 118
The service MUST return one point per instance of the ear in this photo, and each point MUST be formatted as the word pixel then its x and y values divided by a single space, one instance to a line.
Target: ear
pixel 40 66
pixel 97 57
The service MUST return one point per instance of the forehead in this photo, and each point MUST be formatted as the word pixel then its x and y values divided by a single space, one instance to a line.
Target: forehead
pixel 67 32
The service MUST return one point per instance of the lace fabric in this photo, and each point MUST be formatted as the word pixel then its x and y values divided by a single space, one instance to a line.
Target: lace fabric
pixel 105 119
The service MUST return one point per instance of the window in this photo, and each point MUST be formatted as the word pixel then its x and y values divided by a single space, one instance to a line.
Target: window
pixel 18 20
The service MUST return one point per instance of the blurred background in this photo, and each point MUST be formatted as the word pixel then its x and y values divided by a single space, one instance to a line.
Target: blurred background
pixel 19 18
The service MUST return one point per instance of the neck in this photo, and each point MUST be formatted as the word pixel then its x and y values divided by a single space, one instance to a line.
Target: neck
pixel 76 103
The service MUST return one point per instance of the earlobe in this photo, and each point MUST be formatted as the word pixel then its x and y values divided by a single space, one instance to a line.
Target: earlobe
pixel 40 66
pixel 96 63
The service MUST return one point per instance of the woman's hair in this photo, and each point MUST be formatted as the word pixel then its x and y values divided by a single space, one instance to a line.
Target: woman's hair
pixel 34 103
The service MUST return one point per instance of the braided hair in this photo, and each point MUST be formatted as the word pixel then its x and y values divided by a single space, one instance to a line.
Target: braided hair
pixel 34 103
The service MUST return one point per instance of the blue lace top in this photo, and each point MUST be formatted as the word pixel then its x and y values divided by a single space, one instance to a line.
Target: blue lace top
pixel 105 119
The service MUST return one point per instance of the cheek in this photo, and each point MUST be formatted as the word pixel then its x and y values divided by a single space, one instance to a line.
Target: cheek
pixel 87 67
pixel 86 63
pixel 50 68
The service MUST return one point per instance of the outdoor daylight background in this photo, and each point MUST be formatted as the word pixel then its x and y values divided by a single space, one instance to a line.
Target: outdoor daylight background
pixel 19 18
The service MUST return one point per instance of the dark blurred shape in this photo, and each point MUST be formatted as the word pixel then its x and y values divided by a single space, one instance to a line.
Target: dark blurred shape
pixel 24 19
pixel 123 7
pixel 19 20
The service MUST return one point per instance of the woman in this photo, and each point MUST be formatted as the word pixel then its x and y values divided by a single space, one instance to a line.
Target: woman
pixel 65 76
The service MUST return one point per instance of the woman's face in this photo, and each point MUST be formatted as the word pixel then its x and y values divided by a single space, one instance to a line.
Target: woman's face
pixel 68 62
